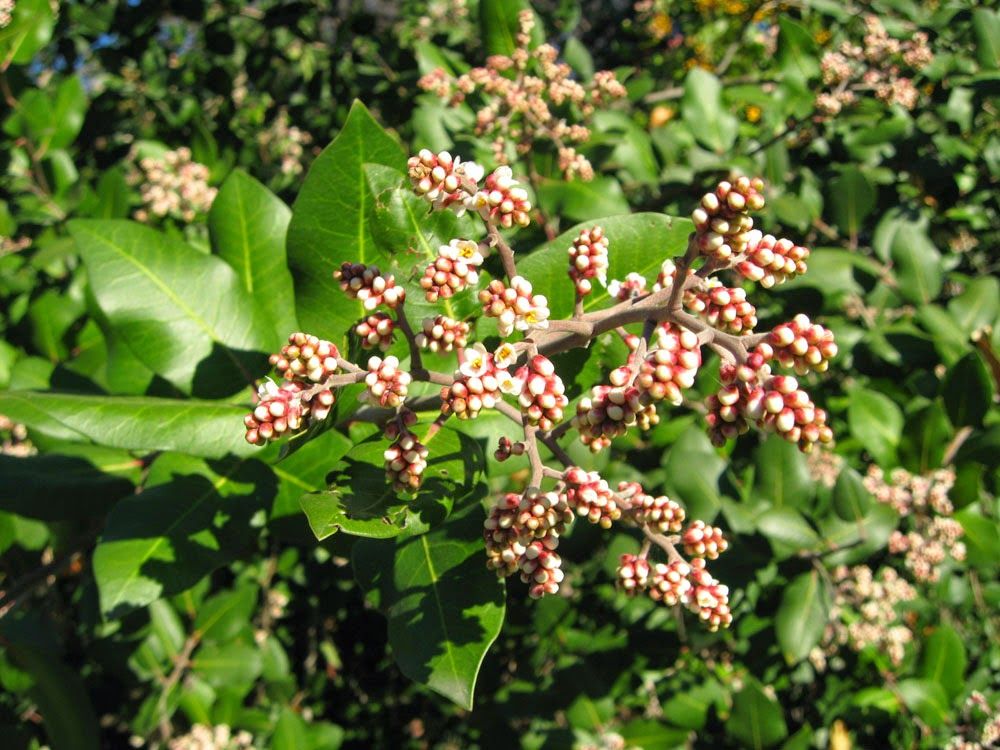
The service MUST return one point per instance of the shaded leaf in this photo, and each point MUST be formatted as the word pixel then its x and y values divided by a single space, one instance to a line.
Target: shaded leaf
pixel 802 615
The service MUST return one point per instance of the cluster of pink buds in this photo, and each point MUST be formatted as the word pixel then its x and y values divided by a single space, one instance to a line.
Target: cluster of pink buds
pixel 800 345
pixel 722 220
pixel 503 201
pixel 522 533
pixel 722 307
pixel 506 448
pixel 670 367
pixel 444 180
pixel 775 403
pixel 609 411
pixel 453 270
pixel 591 497
pixel 709 598
pixel 406 457
pixel 387 384
pixel 514 306
pixel 366 283
pixel 306 357
pixel 541 396
pixel 701 540
pixel 633 573
pixel 658 513
pixel 632 286
pixel 284 410
pixel 376 331
pixel 669 583
pixel 769 261
pixel 588 259
pixel 477 385
pixel 442 334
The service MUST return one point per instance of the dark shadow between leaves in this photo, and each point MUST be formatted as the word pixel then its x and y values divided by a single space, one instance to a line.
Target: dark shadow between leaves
pixel 225 371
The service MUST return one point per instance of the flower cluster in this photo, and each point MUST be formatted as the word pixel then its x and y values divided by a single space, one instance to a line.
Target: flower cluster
pixel 670 367
pixel 387 384
pixel 453 270
pixel 441 334
pixel 923 503
pixel 722 220
pixel 515 307
pixel 979 725
pixel 443 180
pixel 203 737
pixel 800 345
pixel 865 614
pixel 6 12
pixel 588 260
pixel 477 385
pixel 877 65
pixel 376 331
pixel 14 439
pixel 284 143
pixel 172 185
pixel 530 97
pixel 540 393
pixel 769 261
pixel 502 200
pixel 406 457
pixel 591 497
pixel 366 283
pixel 722 307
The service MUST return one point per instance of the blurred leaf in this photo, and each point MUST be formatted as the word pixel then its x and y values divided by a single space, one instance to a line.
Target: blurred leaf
pixel 193 517
pixel 185 314
pixel 201 428
pixel 917 263
pixel 851 198
pixel 222 616
pixel 332 223
pixel 248 224
pixel 782 475
pixel 29 30
pixel 232 664
pixel 580 201
pixel 796 50
pixel 978 305
pixel 498 26
pixel 877 422
pixel 982 538
pixel 756 720
pixel 445 608
pixel 851 500
pixel 714 127
pixel 696 490
pixel 654 735
pixel 967 391
pixel 787 530
pixel 803 615
pixel 926 699
pixel 289 732
pixel 986 25
pixel 943 660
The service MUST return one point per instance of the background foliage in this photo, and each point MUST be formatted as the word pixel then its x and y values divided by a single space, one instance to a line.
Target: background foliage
pixel 158 573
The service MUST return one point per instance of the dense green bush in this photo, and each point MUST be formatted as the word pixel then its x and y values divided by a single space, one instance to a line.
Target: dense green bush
pixel 169 215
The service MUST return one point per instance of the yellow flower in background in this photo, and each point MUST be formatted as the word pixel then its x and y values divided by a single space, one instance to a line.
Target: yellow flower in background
pixel 660 116
pixel 840 738
pixel 752 112
pixel 660 25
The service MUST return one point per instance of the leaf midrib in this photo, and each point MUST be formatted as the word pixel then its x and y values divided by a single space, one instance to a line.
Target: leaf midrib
pixel 449 648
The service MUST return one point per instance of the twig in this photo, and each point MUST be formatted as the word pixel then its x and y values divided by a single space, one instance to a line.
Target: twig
pixel 416 361
pixel 504 250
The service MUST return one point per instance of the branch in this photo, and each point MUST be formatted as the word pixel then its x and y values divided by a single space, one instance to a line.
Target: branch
pixel 416 361
pixel 505 251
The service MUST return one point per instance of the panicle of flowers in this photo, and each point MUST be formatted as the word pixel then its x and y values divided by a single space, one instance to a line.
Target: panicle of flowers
pixel 722 307
pixel 824 466
pixel 609 410
pixel 453 270
pixel 284 143
pixel 770 261
pixel 366 283
pixel 865 614
pixel 800 345
pixel 590 497
pixel 443 180
pixel 540 392
pixel 387 384
pixel 882 64
pixel 204 737
pixel 671 365
pixel 632 286
pixel 172 185
pixel 588 260
pixel 477 385
pixel 6 12
pixel 441 334
pixel 515 307
pixel 376 331
pixel 978 727
pixel 530 97
pixel 722 219
pixel 306 357
pixel 658 513
pixel 502 200
pixel 406 456
pixel 14 439
pixel 929 535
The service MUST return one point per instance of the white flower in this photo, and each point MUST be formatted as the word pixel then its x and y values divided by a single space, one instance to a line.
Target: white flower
pixel 505 356
pixel 476 362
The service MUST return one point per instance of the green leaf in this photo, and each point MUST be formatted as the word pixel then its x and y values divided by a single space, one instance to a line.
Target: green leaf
pixel 248 224
pixel 802 616
pixel 580 201
pixel 796 50
pixel 756 720
pixel 289 732
pixel 857 540
pixel 703 111
pixel 57 486
pixel 444 607
pixel 967 391
pixel 926 699
pixel 978 305
pixel 360 501
pixel 654 735
pixel 498 26
pixel 183 313
pixel 982 538
pixel 917 263
pixel 201 428
pixel 851 197
pixel 222 616
pixel 332 223
pixel 29 30
pixel 231 664
pixel 697 491
pixel 637 243
pixel 986 25
pixel 787 530
pixel 876 421
pixel 69 109
pixel 944 660
pixel 782 475
pixel 851 501
pixel 193 517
